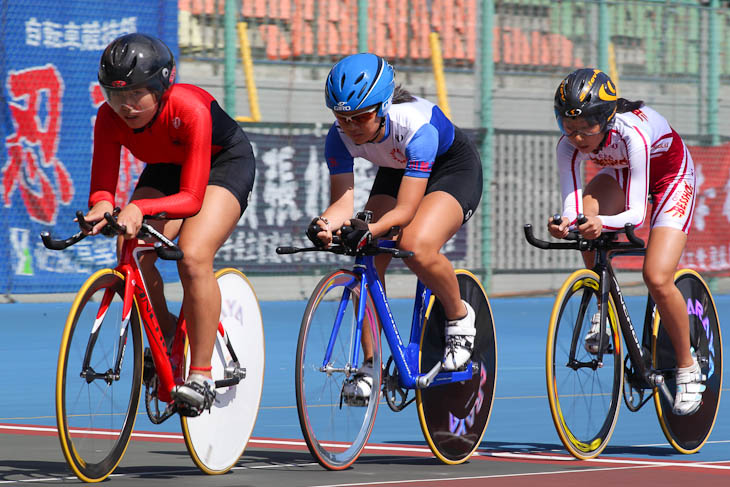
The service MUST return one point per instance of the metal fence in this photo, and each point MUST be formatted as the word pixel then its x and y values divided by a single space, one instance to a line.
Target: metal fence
pixel 681 45
pixel 656 38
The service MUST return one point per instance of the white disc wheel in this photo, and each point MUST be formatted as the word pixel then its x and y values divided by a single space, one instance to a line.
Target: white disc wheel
pixel 217 439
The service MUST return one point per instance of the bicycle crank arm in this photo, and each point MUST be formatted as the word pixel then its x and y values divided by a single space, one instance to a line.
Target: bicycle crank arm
pixel 667 395
pixel 425 380
pixel 437 376
pixel 227 382
pixel 233 376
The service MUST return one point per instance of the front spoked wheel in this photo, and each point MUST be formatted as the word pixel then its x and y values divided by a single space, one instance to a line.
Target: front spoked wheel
pixel 584 394
pixel 687 434
pixel 335 426
pixel 99 377
pixel 217 439
pixel 454 416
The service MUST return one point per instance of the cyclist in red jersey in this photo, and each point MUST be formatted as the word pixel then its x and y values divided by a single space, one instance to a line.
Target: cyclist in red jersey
pixel 199 173
pixel 640 155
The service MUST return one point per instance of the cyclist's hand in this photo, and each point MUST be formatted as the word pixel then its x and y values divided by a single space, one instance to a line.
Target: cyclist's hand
pixel 131 219
pixel 591 229
pixel 355 234
pixel 319 232
pixel 560 230
pixel 95 216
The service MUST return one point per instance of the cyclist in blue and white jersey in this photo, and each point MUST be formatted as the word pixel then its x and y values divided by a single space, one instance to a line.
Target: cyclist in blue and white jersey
pixel 429 183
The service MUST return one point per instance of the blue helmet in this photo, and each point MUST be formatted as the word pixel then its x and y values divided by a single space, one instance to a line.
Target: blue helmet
pixel 360 81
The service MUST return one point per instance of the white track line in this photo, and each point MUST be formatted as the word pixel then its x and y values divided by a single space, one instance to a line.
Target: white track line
pixel 632 463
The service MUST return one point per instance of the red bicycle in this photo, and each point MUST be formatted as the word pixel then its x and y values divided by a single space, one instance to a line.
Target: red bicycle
pixel 102 365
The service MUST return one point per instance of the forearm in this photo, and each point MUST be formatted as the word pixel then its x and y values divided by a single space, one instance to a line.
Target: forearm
pixel 338 213
pixel 397 217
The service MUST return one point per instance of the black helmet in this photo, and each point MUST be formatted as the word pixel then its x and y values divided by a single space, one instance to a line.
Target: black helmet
pixel 589 94
pixel 137 60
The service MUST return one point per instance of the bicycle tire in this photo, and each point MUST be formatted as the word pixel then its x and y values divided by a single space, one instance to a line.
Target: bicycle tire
pixel 454 416
pixel 217 439
pixel 335 432
pixel 94 421
pixel 687 434
pixel 584 403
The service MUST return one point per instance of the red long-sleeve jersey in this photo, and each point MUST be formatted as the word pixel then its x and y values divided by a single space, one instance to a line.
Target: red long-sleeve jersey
pixel 189 130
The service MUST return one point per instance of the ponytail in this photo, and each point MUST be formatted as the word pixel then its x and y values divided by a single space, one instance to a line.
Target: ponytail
pixel 623 105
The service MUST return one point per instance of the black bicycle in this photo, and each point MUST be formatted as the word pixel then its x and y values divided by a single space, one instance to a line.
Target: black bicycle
pixel 585 384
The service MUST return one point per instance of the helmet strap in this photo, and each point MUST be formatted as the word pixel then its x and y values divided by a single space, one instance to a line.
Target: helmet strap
pixel 377 132
pixel 160 103
pixel 603 141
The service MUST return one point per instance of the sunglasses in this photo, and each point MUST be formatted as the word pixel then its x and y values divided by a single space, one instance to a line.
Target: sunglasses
pixel 360 118
pixel 581 132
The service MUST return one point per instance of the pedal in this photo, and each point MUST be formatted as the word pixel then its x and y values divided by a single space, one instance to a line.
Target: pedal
pixel 187 410
pixel 352 400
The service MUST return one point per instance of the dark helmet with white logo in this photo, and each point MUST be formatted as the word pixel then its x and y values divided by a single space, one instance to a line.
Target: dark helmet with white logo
pixel 134 61
pixel 589 94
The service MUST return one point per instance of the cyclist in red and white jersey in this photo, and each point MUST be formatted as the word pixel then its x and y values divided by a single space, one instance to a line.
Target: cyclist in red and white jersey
pixel 199 173
pixel 640 155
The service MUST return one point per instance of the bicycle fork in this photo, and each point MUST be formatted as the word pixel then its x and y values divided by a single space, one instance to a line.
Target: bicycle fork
pixel 112 374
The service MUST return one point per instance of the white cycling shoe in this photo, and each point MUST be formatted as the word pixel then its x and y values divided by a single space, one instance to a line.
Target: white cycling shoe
pixel 690 386
pixel 196 395
pixel 356 392
pixel 591 339
pixel 459 340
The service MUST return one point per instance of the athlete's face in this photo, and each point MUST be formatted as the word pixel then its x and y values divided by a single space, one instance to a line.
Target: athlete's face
pixel 360 125
pixel 136 107
pixel 586 137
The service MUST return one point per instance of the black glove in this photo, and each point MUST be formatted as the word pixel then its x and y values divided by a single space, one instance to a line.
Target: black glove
pixel 312 230
pixel 356 235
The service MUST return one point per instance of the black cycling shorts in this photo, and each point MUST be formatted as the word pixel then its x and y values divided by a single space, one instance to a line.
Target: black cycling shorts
pixel 458 171
pixel 233 168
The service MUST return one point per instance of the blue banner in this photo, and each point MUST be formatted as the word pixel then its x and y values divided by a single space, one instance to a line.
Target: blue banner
pixel 49 58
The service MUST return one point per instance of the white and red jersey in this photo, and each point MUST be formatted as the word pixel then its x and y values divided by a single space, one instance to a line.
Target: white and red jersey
pixel 646 156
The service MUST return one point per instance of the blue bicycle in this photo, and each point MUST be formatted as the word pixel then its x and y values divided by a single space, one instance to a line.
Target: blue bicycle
pixel 453 407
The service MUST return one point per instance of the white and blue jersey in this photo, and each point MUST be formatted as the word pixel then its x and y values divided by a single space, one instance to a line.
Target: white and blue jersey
pixel 416 133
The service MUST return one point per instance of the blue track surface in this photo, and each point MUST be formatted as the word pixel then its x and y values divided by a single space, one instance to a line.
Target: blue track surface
pixel 30 335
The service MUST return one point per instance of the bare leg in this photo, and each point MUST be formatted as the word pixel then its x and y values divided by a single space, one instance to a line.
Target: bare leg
pixel 152 278
pixel 662 257
pixel 438 218
pixel 200 238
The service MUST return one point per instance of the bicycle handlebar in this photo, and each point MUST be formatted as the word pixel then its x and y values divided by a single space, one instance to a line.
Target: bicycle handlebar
pixel 164 247
pixel 371 249
pixel 607 240
pixel 53 244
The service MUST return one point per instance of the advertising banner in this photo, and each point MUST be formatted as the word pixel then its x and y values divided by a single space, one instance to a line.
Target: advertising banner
pixel 49 59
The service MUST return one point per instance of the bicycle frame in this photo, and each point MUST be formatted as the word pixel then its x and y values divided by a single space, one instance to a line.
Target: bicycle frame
pixel 406 357
pixel 168 369
pixel 646 377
